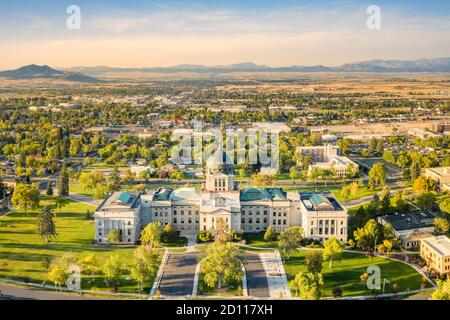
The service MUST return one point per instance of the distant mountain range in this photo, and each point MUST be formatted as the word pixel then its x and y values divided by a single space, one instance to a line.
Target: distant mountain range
pixel 33 71
pixel 378 66
pixel 92 74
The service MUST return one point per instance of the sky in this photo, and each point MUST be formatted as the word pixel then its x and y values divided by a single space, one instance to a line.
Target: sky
pixel 149 33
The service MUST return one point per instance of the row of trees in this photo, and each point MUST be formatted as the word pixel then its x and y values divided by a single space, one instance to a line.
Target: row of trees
pixel 142 269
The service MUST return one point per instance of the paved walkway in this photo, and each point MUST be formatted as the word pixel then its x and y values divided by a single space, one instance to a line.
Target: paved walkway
pixel 276 276
pixel 84 199
pixel 257 284
pixel 178 274
pixel 19 293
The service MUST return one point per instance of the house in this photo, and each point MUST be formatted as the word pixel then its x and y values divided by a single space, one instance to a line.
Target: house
pixel 191 210
pixel 410 228
pixel 436 252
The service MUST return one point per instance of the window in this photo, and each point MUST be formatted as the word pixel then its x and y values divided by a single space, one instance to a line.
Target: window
pixel 174 212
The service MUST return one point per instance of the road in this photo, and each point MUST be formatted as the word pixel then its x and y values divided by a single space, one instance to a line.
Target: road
pixel 178 274
pixel 257 283
pixel 367 199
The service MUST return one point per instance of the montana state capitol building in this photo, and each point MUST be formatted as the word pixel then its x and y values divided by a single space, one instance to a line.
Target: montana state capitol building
pixel 191 210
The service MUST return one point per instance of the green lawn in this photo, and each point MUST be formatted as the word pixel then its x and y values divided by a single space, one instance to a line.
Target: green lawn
pixel 346 273
pixel 257 240
pixel 23 252
pixel 233 289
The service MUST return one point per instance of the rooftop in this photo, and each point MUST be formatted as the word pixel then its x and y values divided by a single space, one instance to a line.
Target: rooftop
pixel 410 221
pixel 440 171
pixel 320 201
pixel 120 200
pixel 440 244
pixel 254 194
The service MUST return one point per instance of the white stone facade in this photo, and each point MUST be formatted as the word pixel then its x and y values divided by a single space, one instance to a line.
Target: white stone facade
pixel 191 210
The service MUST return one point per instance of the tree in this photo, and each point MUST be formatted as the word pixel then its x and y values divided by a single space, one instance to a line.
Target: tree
pixel 168 234
pixel 49 190
pixel 128 176
pixel 445 205
pixel 314 261
pixel 57 274
pixel 26 197
pixel 293 173
pixel 220 264
pixel 367 236
pixel 2 188
pixel 144 267
pixel 115 180
pixel 61 202
pixel 426 200
pixel 151 235
pixel 221 233
pixel 443 290
pixel 114 236
pixel 89 264
pixel 441 225
pixel 308 286
pixel 270 234
pixel 112 270
pixel 63 181
pixel 205 236
pixel 45 226
pixel 377 174
pixel 290 239
pixel 261 180
pixel 58 269
pixel 414 170
pixel 419 185
pixel 386 201
pixel 332 250
pixel 388 245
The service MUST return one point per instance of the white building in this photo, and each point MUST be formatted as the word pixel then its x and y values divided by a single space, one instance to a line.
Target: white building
pixel 410 228
pixel 191 210
pixel 327 158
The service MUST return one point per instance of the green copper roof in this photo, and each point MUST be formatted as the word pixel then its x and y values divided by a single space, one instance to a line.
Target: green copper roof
pixel 162 194
pixel 252 194
pixel 318 199
pixel 277 194
pixel 125 197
